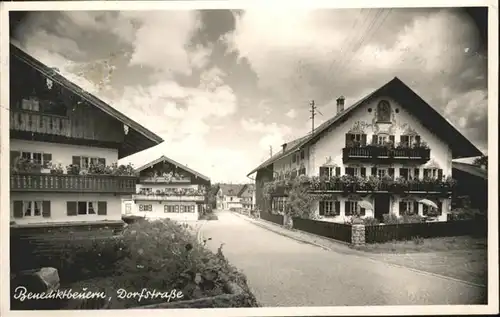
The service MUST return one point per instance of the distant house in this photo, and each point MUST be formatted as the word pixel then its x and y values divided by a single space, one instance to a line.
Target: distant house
pixel 389 152
pixel 168 189
pixel 247 196
pixel 228 196
pixel 472 182
pixel 64 147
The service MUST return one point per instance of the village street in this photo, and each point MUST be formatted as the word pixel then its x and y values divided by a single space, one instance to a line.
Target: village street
pixel 285 272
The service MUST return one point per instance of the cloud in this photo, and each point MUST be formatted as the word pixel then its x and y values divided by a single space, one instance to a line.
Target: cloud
pixel 321 54
pixel 291 113
pixel 271 134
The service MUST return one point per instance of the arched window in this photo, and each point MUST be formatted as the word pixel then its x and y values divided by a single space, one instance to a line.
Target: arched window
pixel 384 111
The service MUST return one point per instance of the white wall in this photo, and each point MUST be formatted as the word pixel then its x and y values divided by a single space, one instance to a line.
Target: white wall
pixel 63 153
pixel 58 207
pixel 158 208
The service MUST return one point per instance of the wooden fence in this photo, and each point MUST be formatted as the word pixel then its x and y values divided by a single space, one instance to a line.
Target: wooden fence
pixel 408 231
pixel 337 231
pixel 277 219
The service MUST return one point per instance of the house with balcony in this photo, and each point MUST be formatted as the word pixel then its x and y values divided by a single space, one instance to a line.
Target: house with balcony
pixel 228 196
pixel 389 152
pixel 64 147
pixel 168 189
pixel 247 196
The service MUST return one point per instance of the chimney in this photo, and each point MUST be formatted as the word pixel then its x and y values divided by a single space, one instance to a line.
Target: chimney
pixel 284 147
pixel 340 104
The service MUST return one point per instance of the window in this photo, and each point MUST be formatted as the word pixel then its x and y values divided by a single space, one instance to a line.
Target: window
pixel 86 208
pixel 329 208
pixel 434 173
pixel 144 207
pixel 30 104
pixel 384 111
pixel 355 139
pixel 381 172
pixel 352 207
pixel 329 171
pixel 176 208
pixel 410 140
pixel 356 171
pixel 85 161
pixel 302 154
pixel 128 208
pixel 37 157
pixel 408 208
pixel 32 208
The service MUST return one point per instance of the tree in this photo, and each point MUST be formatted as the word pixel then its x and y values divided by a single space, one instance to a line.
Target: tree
pixel 480 161
pixel 212 195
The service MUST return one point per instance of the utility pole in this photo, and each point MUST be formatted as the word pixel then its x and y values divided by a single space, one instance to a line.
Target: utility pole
pixel 313 114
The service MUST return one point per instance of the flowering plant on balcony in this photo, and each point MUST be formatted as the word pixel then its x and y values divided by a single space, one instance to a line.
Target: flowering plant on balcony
pixel 400 185
pixel 56 169
pixel 372 183
pixel 22 165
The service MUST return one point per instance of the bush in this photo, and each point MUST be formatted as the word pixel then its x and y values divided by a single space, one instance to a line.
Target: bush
pixel 370 221
pixel 411 219
pixel 209 216
pixel 391 219
pixel 466 214
pixel 164 256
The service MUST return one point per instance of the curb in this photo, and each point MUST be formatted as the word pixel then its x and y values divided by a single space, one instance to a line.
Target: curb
pixel 362 255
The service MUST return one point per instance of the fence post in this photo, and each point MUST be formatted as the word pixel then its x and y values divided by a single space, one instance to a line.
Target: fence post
pixel 357 235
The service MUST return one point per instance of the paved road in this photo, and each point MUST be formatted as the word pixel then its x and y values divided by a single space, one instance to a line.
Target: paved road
pixel 284 272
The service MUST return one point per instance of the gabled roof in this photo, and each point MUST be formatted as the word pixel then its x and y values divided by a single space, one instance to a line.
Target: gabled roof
pixel 230 189
pixel 163 158
pixel 144 138
pixel 407 98
pixel 470 169
pixel 244 191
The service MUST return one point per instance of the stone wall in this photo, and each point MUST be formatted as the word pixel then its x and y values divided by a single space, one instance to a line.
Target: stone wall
pixel 358 235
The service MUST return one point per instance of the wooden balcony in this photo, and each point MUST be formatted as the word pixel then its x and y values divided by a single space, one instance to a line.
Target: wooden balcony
pixel 370 153
pixel 72 183
pixel 40 123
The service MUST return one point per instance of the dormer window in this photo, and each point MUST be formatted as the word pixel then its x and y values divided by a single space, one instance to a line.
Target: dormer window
pixel 384 111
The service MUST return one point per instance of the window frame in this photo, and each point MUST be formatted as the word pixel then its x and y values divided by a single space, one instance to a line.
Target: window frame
pixel 32 208
pixel 95 208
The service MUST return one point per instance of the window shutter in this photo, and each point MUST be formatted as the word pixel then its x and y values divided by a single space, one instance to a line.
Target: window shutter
pixel 337 171
pixel 14 156
pixel 401 208
pixel 102 208
pixel 374 171
pixel 403 172
pixel 102 161
pixel 440 207
pixel 321 208
pixel 362 211
pixel 417 173
pixel 415 207
pixel 46 209
pixel 363 172
pixel 337 207
pixel 440 174
pixel 390 170
pixel 348 139
pixel 392 139
pixel 363 139
pixel 47 158
pixel 18 209
pixel 347 210
pixel 374 139
pixel 71 208
pixel 76 160
pixel 417 139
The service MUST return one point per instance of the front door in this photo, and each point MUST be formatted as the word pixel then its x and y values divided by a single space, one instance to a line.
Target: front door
pixel 382 206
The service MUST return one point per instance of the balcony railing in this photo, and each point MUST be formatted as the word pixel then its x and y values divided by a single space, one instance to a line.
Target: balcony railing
pixel 165 180
pixel 352 184
pixel 39 123
pixel 72 183
pixel 377 152
pixel 163 197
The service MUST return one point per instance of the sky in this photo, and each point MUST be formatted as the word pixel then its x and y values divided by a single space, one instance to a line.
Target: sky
pixel 224 88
